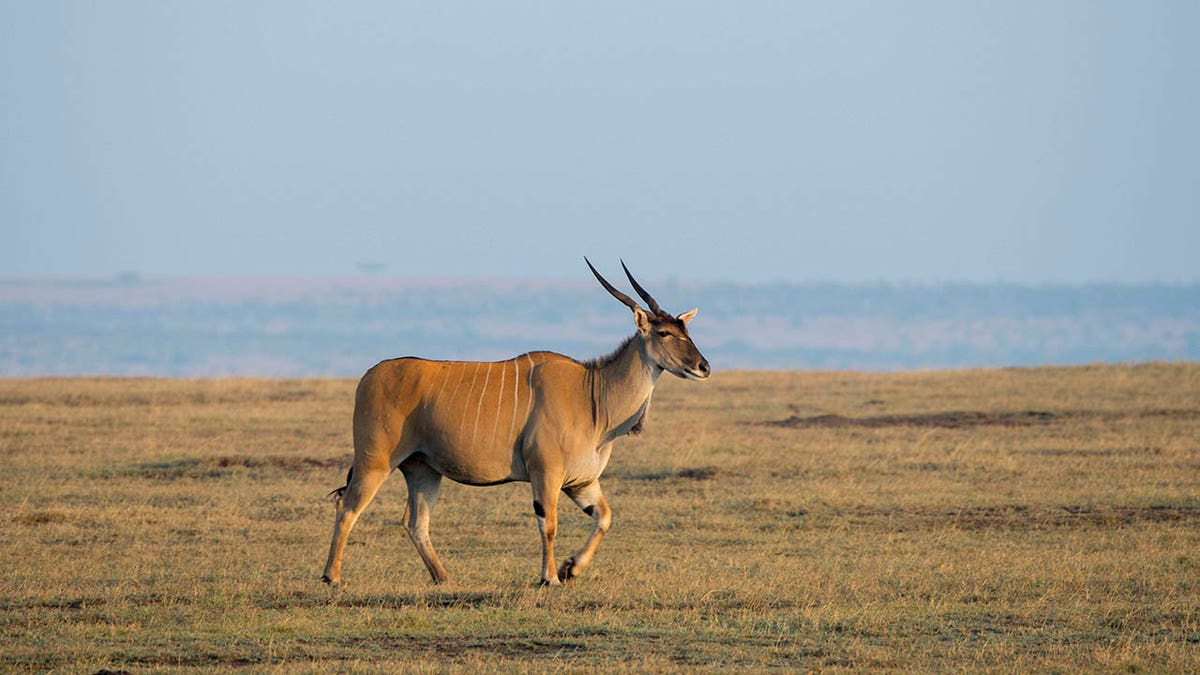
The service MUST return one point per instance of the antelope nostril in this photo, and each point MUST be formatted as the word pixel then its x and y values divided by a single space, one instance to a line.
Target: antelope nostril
pixel 704 366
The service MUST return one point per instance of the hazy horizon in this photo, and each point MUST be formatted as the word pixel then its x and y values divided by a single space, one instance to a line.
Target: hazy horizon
pixel 315 326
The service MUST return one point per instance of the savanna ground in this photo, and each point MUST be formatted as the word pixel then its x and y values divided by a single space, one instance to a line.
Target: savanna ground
pixel 1000 520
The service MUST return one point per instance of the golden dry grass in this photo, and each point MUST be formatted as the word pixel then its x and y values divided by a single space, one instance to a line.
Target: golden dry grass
pixel 1000 520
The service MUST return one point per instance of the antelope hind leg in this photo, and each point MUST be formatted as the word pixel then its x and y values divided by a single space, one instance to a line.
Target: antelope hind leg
pixel 359 492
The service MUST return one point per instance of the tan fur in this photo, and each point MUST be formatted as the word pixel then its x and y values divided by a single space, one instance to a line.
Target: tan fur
pixel 541 418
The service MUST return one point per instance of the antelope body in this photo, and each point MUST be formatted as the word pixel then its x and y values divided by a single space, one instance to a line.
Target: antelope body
pixel 541 417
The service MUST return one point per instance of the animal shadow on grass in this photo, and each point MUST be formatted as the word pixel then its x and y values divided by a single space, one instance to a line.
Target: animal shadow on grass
pixel 432 599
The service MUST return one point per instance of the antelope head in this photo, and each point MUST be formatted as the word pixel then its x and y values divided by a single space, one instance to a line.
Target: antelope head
pixel 665 336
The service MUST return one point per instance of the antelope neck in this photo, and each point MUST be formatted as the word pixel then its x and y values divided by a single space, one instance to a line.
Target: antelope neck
pixel 622 386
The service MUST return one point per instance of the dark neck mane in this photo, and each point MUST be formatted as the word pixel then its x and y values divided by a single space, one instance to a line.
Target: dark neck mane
pixel 601 361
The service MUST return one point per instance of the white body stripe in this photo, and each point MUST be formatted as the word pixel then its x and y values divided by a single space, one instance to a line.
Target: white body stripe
pixel 499 405
pixel 474 376
pixel 516 378
pixel 438 394
pixel 462 374
pixel 479 408
pixel 529 381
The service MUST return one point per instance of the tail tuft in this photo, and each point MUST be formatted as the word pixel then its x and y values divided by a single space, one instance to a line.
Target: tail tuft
pixel 342 490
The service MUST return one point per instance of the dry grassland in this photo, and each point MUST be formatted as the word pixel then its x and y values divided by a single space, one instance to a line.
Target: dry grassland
pixel 1001 520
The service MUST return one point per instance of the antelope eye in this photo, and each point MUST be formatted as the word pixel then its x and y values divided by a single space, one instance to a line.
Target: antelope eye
pixel 664 333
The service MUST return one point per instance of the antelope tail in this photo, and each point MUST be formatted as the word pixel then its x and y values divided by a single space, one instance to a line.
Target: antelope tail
pixel 342 490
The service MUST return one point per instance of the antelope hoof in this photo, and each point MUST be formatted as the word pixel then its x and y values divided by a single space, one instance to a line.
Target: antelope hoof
pixel 549 582
pixel 325 578
pixel 566 571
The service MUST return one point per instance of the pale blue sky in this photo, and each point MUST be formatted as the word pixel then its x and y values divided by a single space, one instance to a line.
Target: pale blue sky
pixel 751 141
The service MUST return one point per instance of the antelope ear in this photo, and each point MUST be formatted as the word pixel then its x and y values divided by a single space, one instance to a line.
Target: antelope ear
pixel 687 317
pixel 642 320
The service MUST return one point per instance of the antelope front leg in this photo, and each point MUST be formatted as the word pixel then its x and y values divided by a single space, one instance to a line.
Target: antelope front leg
pixel 423 485
pixel 545 507
pixel 591 500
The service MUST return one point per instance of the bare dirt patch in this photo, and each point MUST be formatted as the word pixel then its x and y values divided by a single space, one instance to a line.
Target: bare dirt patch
pixel 1022 517
pixel 459 648
pixel 698 473
pixel 218 467
pixel 962 419
pixel 285 462
pixel 1091 452
pixel 943 420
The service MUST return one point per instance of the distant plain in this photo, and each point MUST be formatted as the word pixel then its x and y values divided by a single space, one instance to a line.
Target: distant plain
pixel 336 326
pixel 1006 520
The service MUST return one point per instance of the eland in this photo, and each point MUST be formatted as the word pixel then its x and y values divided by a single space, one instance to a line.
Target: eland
pixel 541 418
